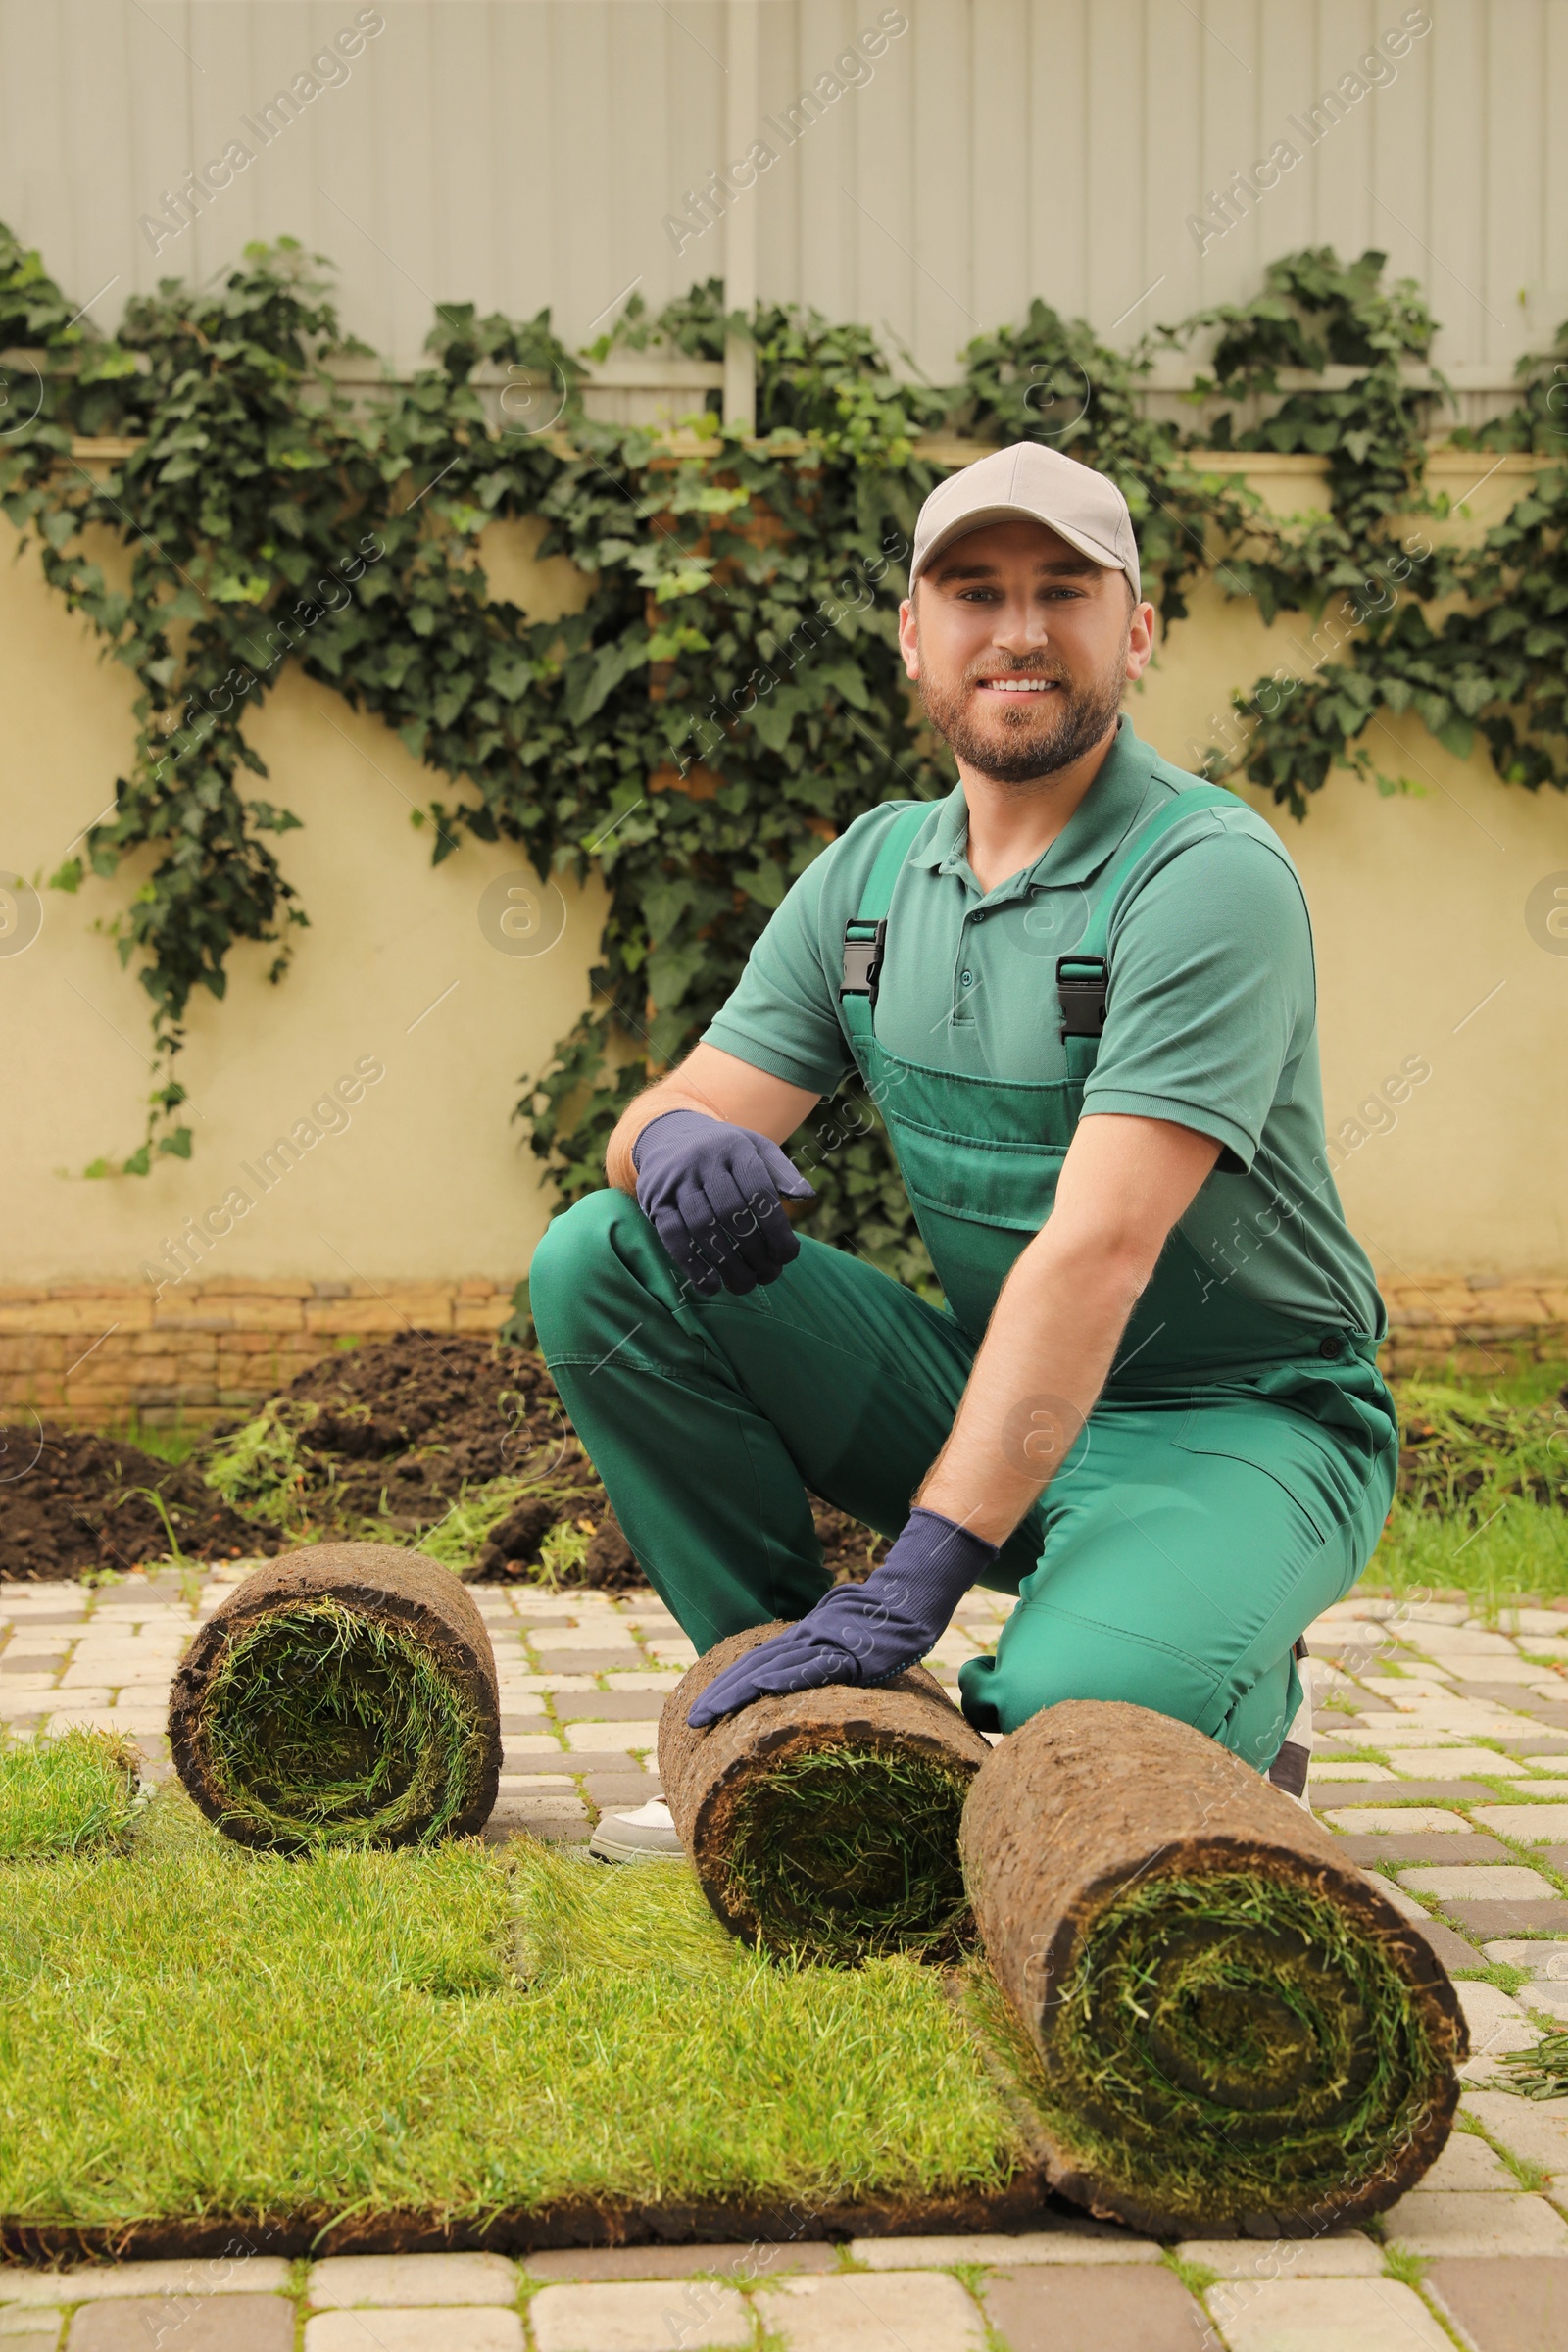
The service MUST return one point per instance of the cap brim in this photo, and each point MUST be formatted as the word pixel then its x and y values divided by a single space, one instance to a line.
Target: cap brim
pixel 1011 512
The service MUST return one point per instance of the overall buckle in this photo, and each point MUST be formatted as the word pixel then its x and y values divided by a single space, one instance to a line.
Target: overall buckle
pixel 863 946
pixel 1081 982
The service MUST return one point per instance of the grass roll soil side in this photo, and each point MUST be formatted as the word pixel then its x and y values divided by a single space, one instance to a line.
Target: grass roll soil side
pixel 824 1823
pixel 1220 2023
pixel 343 1695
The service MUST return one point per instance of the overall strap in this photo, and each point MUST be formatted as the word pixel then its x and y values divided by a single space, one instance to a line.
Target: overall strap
pixel 1084 976
pixel 866 932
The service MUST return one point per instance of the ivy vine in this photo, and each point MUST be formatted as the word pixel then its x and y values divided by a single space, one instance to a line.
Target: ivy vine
pixel 730 696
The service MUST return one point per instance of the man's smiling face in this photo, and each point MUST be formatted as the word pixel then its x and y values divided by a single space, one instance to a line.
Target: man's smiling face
pixel 1021 647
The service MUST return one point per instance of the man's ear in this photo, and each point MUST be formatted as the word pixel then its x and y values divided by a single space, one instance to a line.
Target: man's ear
pixel 909 633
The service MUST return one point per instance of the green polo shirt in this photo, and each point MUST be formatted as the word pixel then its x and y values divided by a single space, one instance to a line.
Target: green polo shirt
pixel 1212 1015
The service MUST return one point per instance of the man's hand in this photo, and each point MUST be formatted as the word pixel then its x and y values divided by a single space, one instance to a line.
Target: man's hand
pixel 861 1632
pixel 711 1192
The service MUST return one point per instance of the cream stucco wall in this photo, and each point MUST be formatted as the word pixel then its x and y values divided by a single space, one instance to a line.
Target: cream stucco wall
pixel 1418 903
pixel 431 1176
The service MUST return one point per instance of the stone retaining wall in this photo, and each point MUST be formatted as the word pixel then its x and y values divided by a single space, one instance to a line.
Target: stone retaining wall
pixel 89 1353
pixel 93 1354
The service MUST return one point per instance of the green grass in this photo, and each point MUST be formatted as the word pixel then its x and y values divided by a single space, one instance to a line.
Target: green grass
pixel 1483 1498
pixel 326 1726
pixel 194 2029
pixel 1518 1552
pixel 64 1796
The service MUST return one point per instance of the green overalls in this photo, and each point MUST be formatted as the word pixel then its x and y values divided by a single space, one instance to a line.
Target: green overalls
pixel 1230 1484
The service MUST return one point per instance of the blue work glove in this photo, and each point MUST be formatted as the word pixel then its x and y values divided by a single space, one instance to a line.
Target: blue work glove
pixel 711 1194
pixel 861 1632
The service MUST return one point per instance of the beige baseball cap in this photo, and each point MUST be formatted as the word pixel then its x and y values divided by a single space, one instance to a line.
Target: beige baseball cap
pixel 1030 483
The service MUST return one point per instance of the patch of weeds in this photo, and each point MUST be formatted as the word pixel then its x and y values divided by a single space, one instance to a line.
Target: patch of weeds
pixel 1508 1978
pixel 64 1796
pixel 259 1468
pixel 1407 2268
pixel 561 1553
pixel 1197 2277
pixel 1513 1548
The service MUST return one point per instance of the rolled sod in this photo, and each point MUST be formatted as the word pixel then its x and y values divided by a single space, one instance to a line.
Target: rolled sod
pixel 824 1823
pixel 1227 2027
pixel 342 1695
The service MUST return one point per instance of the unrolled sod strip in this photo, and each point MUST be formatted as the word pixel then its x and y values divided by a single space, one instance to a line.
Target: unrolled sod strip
pixel 825 1823
pixel 1219 2023
pixel 342 1695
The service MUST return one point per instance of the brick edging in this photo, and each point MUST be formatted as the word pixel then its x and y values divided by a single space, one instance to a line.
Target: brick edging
pixel 96 1353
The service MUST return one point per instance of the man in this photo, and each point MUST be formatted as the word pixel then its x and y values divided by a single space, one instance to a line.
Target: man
pixel 1080 992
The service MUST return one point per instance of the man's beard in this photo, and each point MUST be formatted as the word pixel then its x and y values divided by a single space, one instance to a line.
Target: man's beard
pixel 1036 735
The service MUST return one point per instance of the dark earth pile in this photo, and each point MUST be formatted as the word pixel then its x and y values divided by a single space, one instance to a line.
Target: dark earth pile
pixel 78 1510
pixel 386 1437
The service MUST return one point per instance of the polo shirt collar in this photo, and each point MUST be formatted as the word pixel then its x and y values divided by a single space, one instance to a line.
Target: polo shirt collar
pixel 1095 831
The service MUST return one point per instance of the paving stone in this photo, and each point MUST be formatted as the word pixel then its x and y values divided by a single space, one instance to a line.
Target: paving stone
pixel 1324 2315
pixel 38 2332
pixel 1425 1846
pixel 590 1635
pixel 1393 1796
pixel 643 2318
pixel 1525 1822
pixel 1096 2242
pixel 1405 1820
pixel 1440 2221
pixel 449 2330
pixel 583 1662
pixel 1536 2130
pixel 1547 1959
pixel 763 2258
pixel 1343 1768
pixel 345 2280
pixel 1095 2311
pixel 1341 2254
pixel 1467 2163
pixel 613 1788
pixel 1510 1882
pixel 185 2323
pixel 872 2311
pixel 1520 2305
pixel 1548 1917
pixel 605 1706
pixel 612 1738
pixel 94 2283
pixel 1453 1763
pixel 643 1678
pixel 1534 1788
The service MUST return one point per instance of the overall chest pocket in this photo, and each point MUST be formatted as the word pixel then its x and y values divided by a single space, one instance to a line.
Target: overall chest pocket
pixel 1008 1184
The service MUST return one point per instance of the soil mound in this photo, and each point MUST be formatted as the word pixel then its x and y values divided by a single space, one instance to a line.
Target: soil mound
pixel 87 1503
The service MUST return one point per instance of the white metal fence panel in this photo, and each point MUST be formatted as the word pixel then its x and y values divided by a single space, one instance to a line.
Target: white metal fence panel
pixel 929 165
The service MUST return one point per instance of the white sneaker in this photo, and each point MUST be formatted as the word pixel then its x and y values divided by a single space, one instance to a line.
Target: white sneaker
pixel 1289 1768
pixel 647 1836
